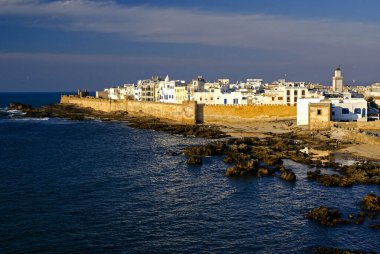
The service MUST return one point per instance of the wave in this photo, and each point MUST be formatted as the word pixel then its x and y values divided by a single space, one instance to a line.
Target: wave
pixel 31 119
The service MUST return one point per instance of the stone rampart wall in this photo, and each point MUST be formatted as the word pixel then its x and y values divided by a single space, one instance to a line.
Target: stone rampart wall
pixel 184 113
pixel 187 112
pixel 104 105
pixel 219 114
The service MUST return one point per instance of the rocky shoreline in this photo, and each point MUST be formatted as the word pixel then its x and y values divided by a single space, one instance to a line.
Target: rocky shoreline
pixel 264 157
pixel 251 156
pixel 72 112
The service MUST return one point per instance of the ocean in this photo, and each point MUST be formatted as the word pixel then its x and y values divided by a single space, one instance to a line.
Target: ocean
pixel 104 187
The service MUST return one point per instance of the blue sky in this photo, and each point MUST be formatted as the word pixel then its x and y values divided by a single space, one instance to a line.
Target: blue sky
pixel 63 45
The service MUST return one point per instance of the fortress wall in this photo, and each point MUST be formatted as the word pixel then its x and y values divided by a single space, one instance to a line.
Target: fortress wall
pixel 244 113
pixel 184 113
pixel 187 112
pixel 94 103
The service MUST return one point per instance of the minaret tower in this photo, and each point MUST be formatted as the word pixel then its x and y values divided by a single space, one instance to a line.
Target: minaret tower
pixel 337 80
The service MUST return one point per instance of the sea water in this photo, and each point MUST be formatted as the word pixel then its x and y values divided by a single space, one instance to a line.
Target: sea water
pixel 103 187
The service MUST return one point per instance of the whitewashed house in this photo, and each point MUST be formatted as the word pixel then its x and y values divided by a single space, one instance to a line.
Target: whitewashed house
pixel 167 89
pixel 342 109
pixel 354 109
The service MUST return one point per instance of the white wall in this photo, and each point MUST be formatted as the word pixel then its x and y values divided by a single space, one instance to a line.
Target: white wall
pixel 303 110
pixel 356 110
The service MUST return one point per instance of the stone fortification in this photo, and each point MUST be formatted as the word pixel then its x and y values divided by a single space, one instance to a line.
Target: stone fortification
pixel 210 114
pixel 104 105
pixel 187 112
pixel 184 113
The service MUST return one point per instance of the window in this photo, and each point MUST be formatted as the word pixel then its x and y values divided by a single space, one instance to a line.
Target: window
pixel 295 93
pixel 319 112
pixel 288 99
pixel 225 101
pixel 345 111
pixel 280 98
pixel 363 112
pixel 357 111
pixel 236 101
pixel 333 113
pixel 272 98
pixel 303 92
pixel 288 92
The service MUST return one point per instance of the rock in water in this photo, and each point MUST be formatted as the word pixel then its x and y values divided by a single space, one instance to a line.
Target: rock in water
pixel 288 176
pixel 331 250
pixel 375 226
pixel 194 160
pixel 19 106
pixel 371 203
pixel 326 216
pixel 248 168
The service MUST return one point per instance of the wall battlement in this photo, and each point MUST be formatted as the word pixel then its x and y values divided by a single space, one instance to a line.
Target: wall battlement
pixel 188 112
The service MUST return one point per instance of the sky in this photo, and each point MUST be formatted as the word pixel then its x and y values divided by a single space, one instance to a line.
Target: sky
pixel 66 45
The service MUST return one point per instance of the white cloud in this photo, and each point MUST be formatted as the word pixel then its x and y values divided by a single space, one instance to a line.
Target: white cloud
pixel 146 23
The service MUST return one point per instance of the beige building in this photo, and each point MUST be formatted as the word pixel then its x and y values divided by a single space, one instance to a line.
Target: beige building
pixel 180 94
pixel 337 80
pixel 320 115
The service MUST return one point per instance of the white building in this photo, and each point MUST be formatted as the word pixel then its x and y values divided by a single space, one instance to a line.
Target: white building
pixel 342 110
pixel 118 93
pixel 303 109
pixel 219 97
pixel 288 95
pixel 167 89
pixel 350 110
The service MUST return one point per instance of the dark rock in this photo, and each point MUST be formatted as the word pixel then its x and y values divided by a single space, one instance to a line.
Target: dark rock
pixel 360 218
pixel 326 216
pixel 19 106
pixel 288 176
pixel 331 250
pixel 249 168
pixel 333 180
pixel 194 160
pixel 370 203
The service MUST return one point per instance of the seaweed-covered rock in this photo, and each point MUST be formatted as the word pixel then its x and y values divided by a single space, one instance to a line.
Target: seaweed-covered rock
pixel 19 106
pixel 249 168
pixel 329 180
pixel 265 172
pixel 194 160
pixel 211 149
pixel 326 216
pixel 370 203
pixel 288 176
